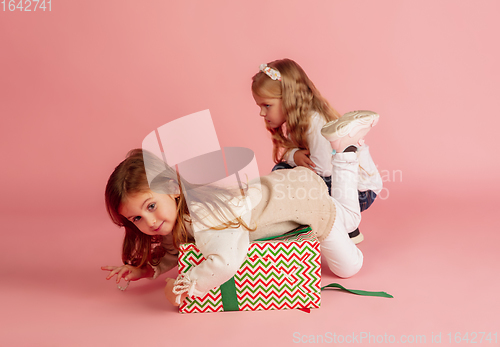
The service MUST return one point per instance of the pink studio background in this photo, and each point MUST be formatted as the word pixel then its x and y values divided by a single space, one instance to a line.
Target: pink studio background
pixel 86 82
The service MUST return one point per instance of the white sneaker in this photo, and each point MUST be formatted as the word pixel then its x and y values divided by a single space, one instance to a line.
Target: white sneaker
pixel 349 130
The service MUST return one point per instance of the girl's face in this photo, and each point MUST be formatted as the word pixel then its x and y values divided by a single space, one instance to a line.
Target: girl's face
pixel 271 110
pixel 152 213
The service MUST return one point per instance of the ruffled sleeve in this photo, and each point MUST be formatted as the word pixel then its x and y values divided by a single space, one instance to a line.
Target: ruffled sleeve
pixel 224 252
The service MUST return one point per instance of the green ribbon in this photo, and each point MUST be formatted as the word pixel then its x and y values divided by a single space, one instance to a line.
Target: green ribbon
pixel 229 298
pixel 228 289
pixel 297 231
pixel 358 292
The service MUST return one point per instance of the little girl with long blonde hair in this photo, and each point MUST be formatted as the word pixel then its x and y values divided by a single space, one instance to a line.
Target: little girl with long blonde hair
pixel 295 112
pixel 160 213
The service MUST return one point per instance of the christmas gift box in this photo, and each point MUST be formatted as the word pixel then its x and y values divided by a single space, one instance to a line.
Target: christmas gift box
pixel 278 273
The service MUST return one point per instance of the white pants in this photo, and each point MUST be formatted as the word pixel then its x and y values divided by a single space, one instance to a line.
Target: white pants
pixel 343 257
pixel 369 177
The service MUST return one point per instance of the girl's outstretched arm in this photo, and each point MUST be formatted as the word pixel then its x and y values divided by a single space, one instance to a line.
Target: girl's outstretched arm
pixel 128 272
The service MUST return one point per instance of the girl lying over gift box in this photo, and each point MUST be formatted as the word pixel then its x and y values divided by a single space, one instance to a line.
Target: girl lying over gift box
pixel 160 215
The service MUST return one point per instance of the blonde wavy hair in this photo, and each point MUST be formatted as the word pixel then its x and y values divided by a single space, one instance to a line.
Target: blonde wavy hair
pixel 300 99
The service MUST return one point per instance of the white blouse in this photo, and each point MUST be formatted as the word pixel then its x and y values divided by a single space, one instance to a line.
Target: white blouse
pixel 319 148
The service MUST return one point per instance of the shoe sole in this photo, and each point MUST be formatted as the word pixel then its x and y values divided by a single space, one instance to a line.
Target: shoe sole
pixel 341 127
pixel 357 239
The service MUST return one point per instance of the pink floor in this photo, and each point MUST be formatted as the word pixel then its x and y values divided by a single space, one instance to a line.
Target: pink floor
pixel 86 82
pixel 439 259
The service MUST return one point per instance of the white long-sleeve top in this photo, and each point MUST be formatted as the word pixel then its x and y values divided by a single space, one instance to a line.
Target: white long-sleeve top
pixel 319 148
pixel 320 151
pixel 224 250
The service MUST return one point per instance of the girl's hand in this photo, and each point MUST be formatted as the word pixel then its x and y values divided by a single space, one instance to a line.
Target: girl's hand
pixel 301 158
pixel 169 294
pixel 127 272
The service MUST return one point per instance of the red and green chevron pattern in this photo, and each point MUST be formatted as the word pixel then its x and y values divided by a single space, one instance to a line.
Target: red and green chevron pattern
pixel 190 256
pixel 278 274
